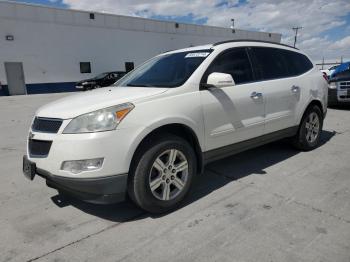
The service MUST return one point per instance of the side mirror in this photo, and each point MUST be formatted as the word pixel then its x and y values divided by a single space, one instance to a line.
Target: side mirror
pixel 220 80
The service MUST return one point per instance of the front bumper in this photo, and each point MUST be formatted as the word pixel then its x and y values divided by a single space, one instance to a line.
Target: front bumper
pixel 332 96
pixel 107 184
pixel 335 96
pixel 116 147
pixel 100 190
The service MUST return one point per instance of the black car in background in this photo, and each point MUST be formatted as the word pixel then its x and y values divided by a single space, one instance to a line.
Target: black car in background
pixel 101 80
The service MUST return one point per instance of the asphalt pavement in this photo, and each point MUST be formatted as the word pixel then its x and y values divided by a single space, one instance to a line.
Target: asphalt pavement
pixel 272 203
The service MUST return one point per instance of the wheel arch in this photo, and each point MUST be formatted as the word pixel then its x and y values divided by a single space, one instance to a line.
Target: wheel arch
pixel 313 102
pixel 178 129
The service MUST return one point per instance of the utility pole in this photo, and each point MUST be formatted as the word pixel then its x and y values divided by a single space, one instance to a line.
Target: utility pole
pixel 296 29
pixel 322 62
pixel 233 25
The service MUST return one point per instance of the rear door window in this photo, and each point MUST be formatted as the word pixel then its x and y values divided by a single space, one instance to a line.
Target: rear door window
pixel 270 63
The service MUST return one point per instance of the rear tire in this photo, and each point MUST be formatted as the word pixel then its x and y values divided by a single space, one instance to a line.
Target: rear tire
pixel 162 173
pixel 310 129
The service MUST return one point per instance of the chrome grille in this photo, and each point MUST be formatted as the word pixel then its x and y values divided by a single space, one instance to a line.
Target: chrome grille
pixel 344 85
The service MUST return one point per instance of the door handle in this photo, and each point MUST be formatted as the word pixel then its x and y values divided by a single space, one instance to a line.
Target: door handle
pixel 295 89
pixel 256 95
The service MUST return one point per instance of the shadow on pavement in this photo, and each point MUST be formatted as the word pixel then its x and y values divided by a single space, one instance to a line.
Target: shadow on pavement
pixel 340 107
pixel 216 175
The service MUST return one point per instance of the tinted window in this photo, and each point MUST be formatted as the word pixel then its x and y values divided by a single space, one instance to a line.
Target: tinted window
pixel 297 63
pixel 102 75
pixel 170 70
pixel 273 63
pixel 234 62
pixel 269 63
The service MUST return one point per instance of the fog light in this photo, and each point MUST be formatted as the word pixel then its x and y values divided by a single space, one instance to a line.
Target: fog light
pixel 332 85
pixel 78 166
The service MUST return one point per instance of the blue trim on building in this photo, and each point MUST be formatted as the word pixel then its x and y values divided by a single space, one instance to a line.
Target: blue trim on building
pixel 44 88
pixel 50 88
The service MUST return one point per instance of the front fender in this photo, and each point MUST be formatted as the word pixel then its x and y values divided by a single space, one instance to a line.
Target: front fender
pixel 143 132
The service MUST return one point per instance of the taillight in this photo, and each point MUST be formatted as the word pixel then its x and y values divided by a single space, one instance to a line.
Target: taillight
pixel 325 77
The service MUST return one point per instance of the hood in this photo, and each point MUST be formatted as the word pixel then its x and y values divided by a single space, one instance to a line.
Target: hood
pixel 341 69
pixel 89 101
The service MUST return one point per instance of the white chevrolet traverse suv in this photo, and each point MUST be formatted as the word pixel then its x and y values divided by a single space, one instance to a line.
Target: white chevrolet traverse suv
pixel 148 136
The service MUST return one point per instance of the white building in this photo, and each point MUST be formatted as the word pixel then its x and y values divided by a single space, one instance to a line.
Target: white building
pixel 44 49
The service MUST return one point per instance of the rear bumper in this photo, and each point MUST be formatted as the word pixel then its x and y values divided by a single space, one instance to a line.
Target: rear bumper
pixel 101 190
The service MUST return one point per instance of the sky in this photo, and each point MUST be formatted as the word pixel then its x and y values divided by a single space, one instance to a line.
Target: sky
pixel 325 23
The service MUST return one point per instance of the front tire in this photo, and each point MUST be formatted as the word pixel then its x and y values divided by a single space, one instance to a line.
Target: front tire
pixel 310 129
pixel 162 174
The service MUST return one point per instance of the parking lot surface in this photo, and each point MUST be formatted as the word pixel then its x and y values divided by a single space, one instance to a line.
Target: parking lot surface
pixel 272 203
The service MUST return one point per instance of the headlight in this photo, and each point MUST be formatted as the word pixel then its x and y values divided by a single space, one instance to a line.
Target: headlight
pixel 101 120
pixel 333 85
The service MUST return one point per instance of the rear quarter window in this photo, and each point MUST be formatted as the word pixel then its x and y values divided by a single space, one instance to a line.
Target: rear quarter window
pixel 297 63
pixel 274 63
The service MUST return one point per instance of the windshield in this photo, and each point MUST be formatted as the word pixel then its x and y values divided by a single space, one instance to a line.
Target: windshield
pixel 102 75
pixel 170 70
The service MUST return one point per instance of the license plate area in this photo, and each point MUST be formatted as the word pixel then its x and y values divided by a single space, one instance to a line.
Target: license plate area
pixel 29 168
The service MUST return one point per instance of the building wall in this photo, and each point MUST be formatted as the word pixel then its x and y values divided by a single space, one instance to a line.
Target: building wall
pixel 52 42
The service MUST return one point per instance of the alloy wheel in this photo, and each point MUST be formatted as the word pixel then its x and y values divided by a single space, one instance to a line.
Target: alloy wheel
pixel 168 175
pixel 312 126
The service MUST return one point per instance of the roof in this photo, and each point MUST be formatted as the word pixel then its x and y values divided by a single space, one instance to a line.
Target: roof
pixel 189 49
pixel 211 46
pixel 254 41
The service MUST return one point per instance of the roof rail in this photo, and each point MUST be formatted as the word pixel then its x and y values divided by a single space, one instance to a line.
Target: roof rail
pixel 250 40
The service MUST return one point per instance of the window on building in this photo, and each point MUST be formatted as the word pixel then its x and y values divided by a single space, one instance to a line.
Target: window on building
pixel 129 66
pixel 234 62
pixel 92 16
pixel 85 67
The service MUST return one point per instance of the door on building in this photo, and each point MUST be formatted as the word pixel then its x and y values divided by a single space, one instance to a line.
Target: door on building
pixel 15 78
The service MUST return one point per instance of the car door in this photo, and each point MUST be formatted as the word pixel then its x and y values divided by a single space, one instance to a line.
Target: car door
pixel 281 90
pixel 233 113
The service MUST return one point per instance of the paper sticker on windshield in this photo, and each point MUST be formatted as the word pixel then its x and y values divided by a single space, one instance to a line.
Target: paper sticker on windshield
pixel 202 54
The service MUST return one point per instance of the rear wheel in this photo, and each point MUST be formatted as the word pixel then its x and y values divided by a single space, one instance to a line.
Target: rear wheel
pixel 308 136
pixel 162 174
